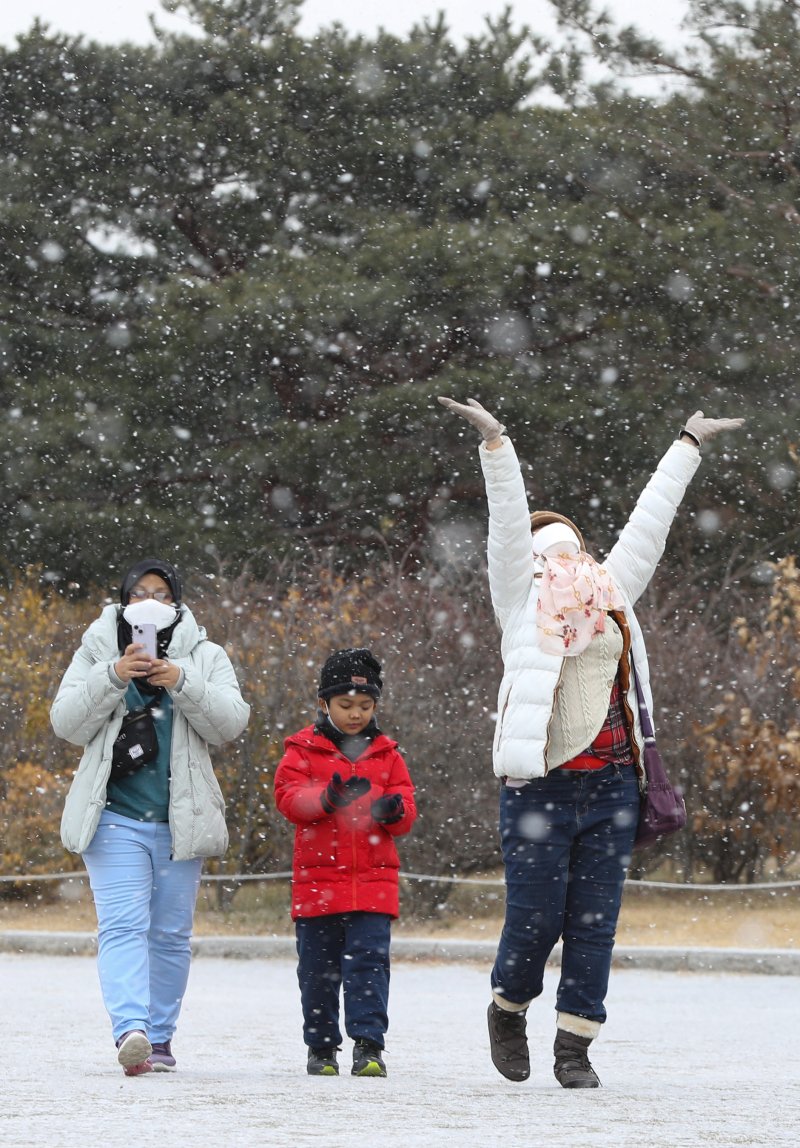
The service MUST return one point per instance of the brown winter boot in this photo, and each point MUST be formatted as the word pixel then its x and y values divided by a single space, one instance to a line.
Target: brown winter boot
pixel 572 1068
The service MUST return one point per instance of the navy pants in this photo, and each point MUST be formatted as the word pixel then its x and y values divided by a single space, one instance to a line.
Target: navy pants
pixel 567 840
pixel 347 951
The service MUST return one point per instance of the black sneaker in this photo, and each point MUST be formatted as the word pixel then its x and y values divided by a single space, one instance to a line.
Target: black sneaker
pixel 322 1061
pixel 367 1059
pixel 508 1042
pixel 572 1068
pixel 161 1057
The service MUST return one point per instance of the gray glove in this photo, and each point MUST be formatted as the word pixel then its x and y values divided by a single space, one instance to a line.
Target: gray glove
pixel 702 429
pixel 474 413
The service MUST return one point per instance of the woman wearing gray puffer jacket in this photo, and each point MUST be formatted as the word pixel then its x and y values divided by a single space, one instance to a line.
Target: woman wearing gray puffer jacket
pixel 144 829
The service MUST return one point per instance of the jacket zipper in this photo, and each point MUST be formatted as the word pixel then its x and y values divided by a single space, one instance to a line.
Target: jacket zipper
pixel 354 853
pixel 556 688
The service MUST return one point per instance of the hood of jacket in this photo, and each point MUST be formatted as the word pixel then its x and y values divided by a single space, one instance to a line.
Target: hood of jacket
pixel 100 639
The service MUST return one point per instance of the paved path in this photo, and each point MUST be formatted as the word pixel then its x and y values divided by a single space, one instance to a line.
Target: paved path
pixel 687 1059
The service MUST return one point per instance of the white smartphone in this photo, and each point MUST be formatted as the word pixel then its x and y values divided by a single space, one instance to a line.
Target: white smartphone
pixel 144 633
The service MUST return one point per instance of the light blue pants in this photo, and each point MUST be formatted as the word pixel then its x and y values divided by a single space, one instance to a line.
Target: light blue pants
pixel 145 909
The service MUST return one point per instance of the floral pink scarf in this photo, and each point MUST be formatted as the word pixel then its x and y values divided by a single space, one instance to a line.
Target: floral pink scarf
pixel 574 597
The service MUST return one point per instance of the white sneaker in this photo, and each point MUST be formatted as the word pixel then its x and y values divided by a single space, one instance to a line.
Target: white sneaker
pixel 133 1049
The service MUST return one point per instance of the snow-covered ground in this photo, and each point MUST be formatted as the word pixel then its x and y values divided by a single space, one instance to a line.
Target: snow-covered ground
pixel 686 1059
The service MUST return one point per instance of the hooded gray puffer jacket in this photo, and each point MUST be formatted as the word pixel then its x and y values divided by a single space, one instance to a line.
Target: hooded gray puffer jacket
pixel 208 708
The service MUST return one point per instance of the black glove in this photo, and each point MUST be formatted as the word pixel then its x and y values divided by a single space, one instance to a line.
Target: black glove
pixel 340 793
pixel 388 809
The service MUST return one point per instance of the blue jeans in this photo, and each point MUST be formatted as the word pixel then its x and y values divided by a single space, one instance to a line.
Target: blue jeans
pixel 145 910
pixel 567 840
pixel 348 951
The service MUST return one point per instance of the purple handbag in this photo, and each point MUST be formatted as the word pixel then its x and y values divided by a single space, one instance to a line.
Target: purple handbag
pixel 662 809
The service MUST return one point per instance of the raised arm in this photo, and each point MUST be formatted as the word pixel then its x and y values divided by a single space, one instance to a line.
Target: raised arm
pixel 509 545
pixel 636 553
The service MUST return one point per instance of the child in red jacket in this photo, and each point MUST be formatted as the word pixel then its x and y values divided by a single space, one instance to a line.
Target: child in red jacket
pixel 347 790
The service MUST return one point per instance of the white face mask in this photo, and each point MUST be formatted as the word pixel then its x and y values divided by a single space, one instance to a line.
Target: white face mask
pixel 150 612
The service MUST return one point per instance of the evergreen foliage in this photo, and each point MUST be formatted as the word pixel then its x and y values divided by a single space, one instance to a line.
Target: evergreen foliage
pixel 238 267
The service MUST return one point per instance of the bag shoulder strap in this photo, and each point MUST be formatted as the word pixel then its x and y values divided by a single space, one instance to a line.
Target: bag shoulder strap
pixel 644 715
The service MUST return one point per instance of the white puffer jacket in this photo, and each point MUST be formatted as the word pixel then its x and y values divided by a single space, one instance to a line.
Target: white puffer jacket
pixel 88 711
pixel 526 698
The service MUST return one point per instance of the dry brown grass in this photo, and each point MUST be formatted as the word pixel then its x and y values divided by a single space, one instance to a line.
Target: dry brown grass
pixel 735 919
pixel 721 920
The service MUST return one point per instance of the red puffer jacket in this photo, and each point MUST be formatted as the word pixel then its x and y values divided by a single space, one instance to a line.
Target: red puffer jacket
pixel 343 861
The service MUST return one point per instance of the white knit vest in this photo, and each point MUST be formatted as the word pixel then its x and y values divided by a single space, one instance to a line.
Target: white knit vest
pixel 582 696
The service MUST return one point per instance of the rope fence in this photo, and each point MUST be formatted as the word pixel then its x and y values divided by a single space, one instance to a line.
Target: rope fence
pixel 495 882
